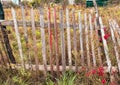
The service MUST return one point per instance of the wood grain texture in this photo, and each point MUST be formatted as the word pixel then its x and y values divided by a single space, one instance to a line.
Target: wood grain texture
pixel 17 36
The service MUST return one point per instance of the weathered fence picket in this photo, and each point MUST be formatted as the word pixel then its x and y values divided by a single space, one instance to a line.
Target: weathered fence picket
pixel 87 40
pixel 50 38
pixel 17 35
pixel 43 40
pixel 56 38
pixel 62 40
pixel 115 45
pixel 75 40
pixel 117 30
pixel 34 41
pixel 92 41
pixel 68 38
pixel 98 41
pixel 106 50
pixel 25 34
pixel 81 38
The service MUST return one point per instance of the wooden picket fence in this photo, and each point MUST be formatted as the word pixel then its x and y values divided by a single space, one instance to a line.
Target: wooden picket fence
pixel 72 43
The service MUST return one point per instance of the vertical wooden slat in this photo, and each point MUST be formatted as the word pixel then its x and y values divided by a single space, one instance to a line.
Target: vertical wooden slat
pixel 43 40
pixel 75 41
pixel 56 38
pixel 2 62
pixel 81 38
pixel 106 50
pixel 115 45
pixel 116 26
pixel 117 30
pixel 62 41
pixel 98 41
pixel 68 38
pixel 50 38
pixel 24 24
pixel 2 48
pixel 92 41
pixel 25 33
pixel 18 36
pixel 34 41
pixel 87 41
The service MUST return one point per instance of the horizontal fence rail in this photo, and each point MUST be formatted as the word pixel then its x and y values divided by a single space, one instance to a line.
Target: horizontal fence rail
pixel 61 40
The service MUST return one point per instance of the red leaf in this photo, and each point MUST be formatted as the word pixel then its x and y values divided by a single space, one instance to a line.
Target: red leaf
pixel 105 29
pixel 100 40
pixel 101 71
pixel 94 71
pixel 103 81
pixel 106 36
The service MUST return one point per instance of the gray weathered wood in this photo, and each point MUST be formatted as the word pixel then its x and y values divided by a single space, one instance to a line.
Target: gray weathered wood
pixel 106 50
pixel 25 34
pixel 81 38
pixel 87 40
pixel 50 38
pixel 115 45
pixel 73 68
pixel 34 40
pixel 17 35
pixel 116 29
pixel 43 40
pixel 98 47
pixel 28 23
pixel 68 38
pixel 56 38
pixel 62 41
pixel 92 41
pixel 75 41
